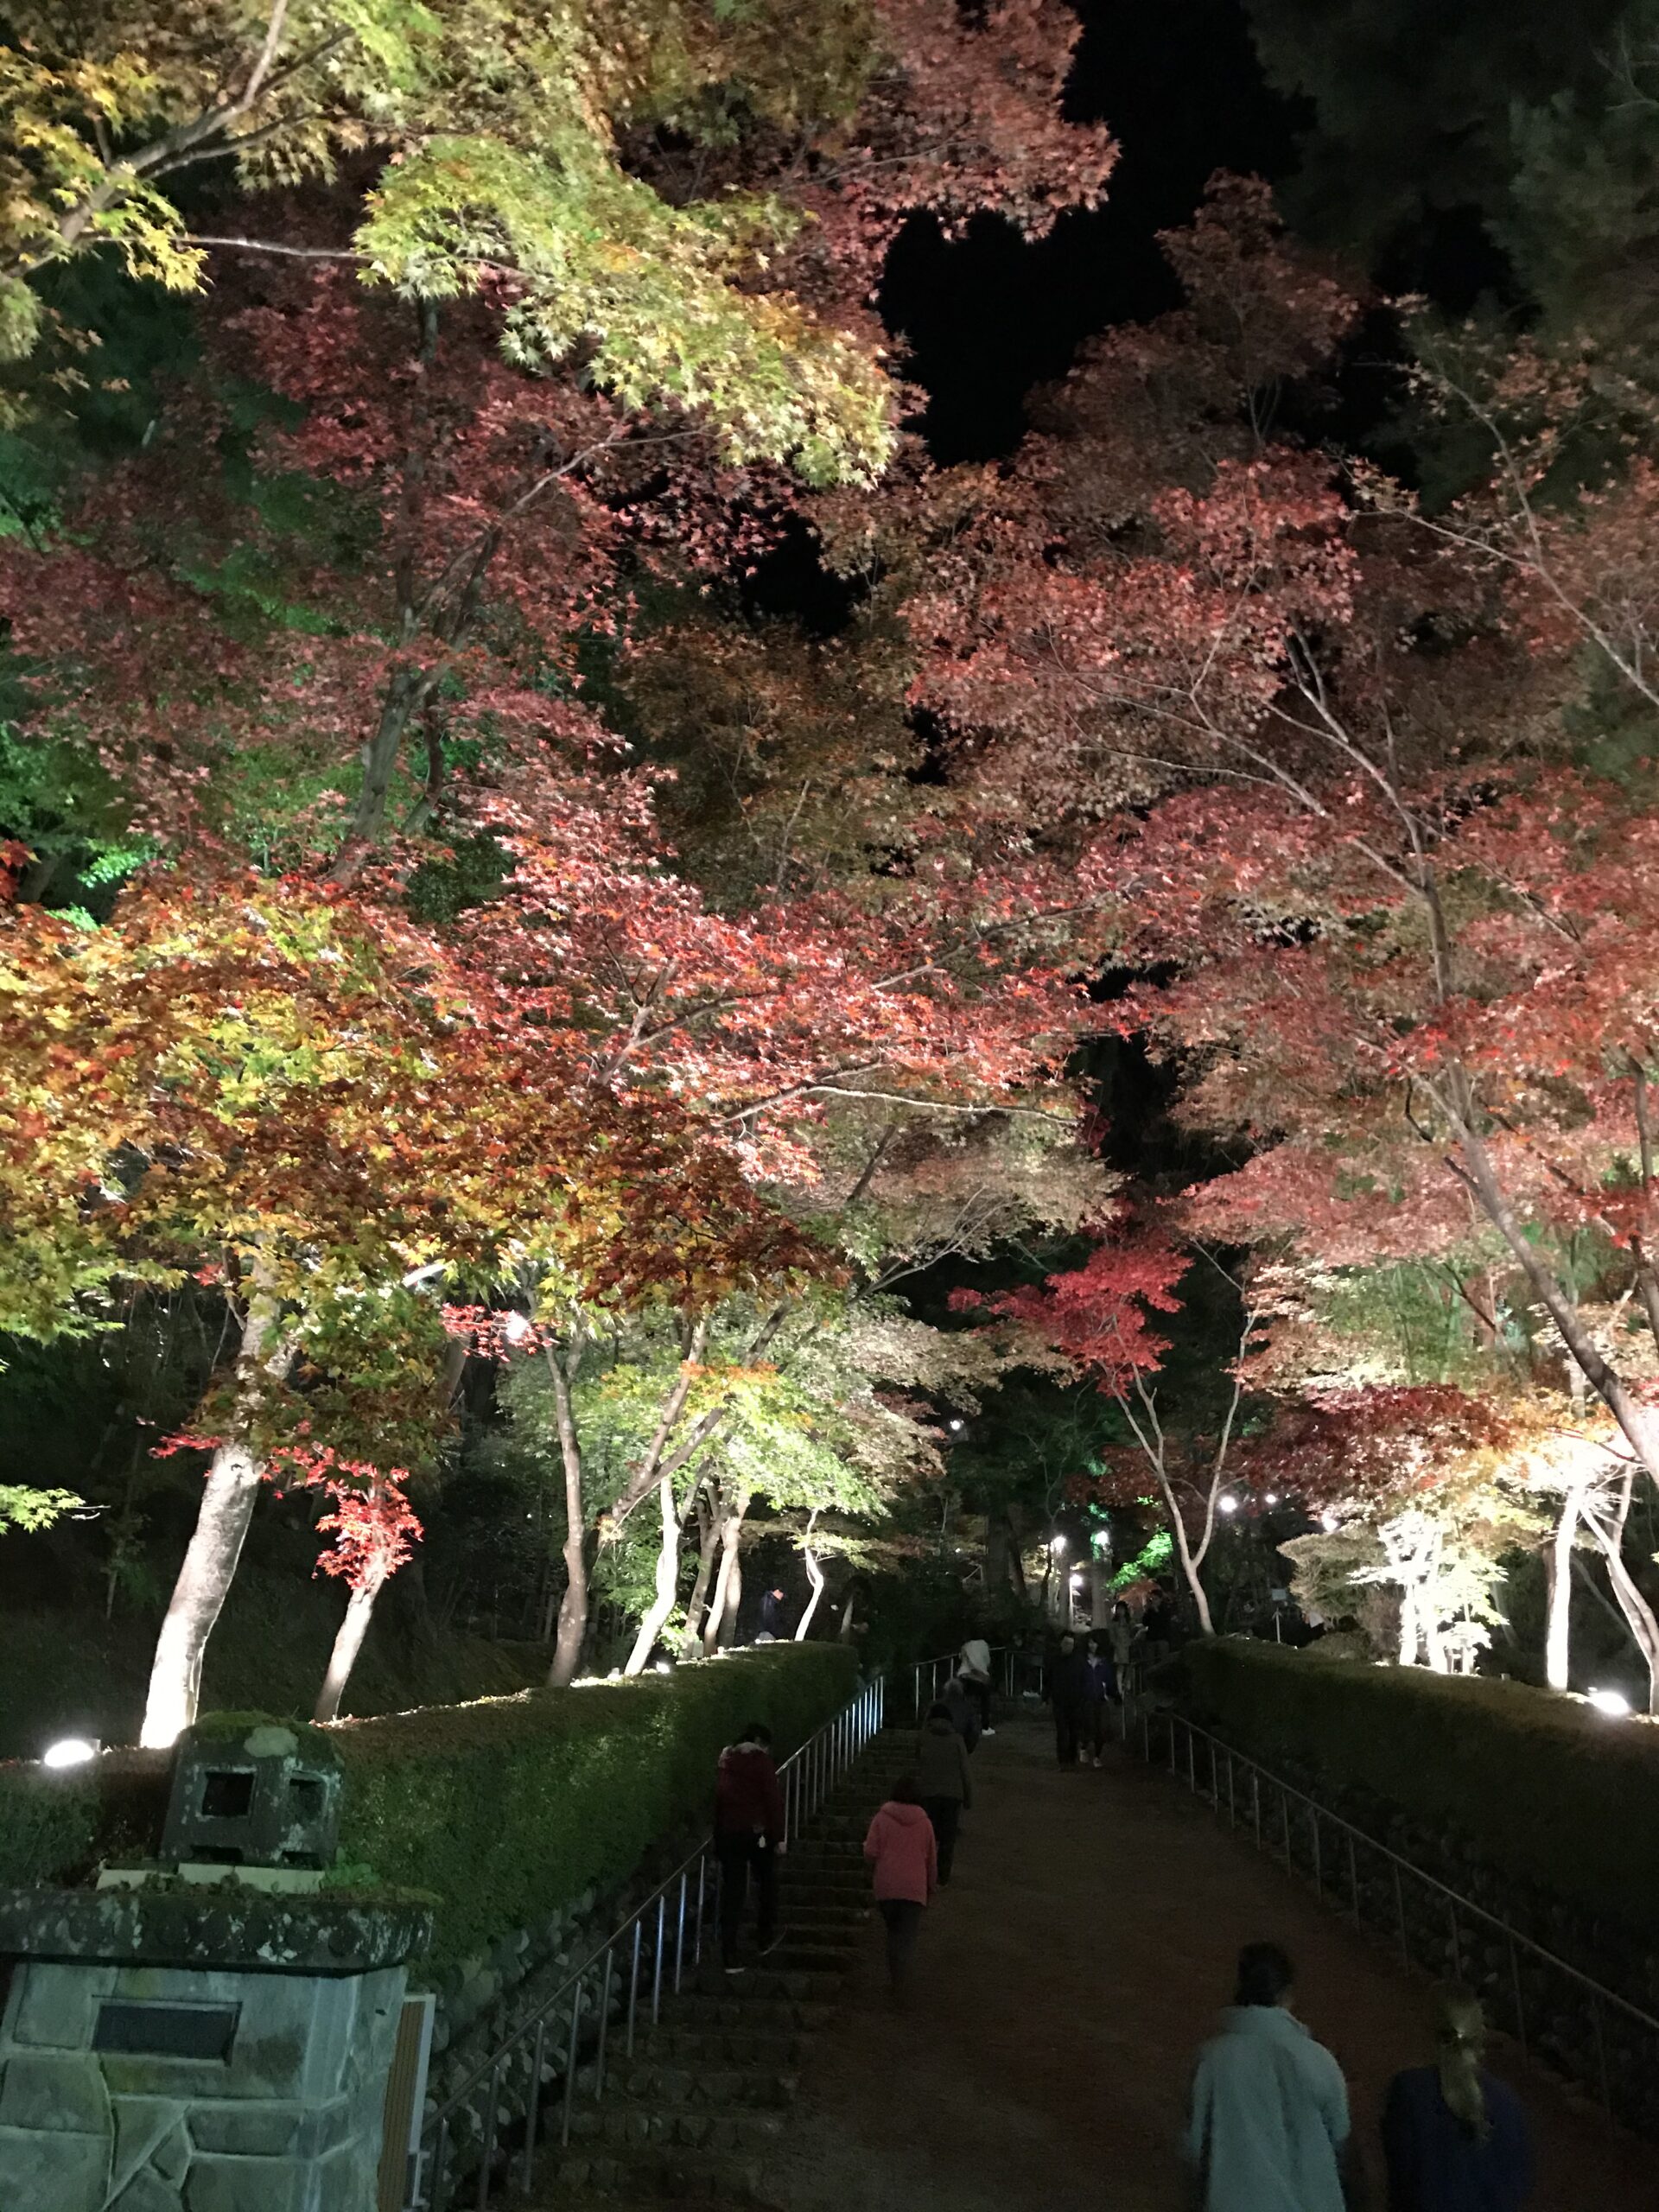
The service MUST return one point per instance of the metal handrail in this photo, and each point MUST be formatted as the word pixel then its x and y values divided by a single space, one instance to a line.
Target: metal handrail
pixel 652 1950
pixel 1462 1954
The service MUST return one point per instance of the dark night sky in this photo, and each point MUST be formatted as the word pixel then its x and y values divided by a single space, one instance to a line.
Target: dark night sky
pixel 1181 89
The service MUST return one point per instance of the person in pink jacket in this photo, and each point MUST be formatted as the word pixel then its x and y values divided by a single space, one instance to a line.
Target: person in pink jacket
pixel 902 1844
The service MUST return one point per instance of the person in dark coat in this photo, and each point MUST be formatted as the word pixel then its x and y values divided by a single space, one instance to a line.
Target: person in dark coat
pixel 958 1701
pixel 1068 1693
pixel 1102 1689
pixel 943 1779
pixel 1455 2140
pixel 749 1838
pixel 772 1613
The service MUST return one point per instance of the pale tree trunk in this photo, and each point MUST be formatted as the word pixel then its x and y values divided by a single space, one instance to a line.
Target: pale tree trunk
pixel 215 1547
pixel 1638 1614
pixel 1191 1561
pixel 1407 1624
pixel 668 1582
pixel 814 1575
pixel 707 1536
pixel 1558 1640
pixel 722 1624
pixel 359 1610
pixel 572 1629
pixel 1100 1603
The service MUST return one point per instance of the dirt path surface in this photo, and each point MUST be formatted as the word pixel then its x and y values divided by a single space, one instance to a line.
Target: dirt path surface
pixel 1061 1985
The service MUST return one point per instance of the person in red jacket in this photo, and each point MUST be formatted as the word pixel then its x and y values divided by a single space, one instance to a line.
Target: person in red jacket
pixel 906 1860
pixel 748 1839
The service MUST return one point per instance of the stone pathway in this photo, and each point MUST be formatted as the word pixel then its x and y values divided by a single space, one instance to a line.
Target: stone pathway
pixel 1062 1984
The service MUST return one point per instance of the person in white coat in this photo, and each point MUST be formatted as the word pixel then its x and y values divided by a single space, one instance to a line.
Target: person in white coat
pixel 1270 2129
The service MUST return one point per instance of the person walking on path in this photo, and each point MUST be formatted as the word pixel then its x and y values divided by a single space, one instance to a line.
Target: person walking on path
pixel 974 1669
pixel 771 1614
pixel 1068 1693
pixel 1102 1687
pixel 901 1846
pixel 1453 2139
pixel 1270 2129
pixel 748 1839
pixel 942 1780
pixel 964 1716
pixel 1120 1634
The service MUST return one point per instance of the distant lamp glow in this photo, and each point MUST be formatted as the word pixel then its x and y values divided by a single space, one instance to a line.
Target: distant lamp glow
pixel 68 1751
pixel 1613 1703
pixel 1273 1498
pixel 1077 1582
pixel 1057 1545
pixel 1227 1505
pixel 515 1328
pixel 956 1426
pixel 1330 1523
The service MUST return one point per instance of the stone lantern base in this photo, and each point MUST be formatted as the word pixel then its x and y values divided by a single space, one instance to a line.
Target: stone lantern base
pixel 247 2072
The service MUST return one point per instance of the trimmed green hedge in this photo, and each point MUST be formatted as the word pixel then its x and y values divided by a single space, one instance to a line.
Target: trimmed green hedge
pixel 1540 1786
pixel 511 1807
pixel 505 1808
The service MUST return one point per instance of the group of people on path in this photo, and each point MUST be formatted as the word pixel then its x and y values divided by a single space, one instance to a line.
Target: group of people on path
pixel 1084 1684
pixel 1269 2128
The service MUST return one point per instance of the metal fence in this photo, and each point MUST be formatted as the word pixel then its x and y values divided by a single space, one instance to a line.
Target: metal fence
pixel 528 2087
pixel 1554 2011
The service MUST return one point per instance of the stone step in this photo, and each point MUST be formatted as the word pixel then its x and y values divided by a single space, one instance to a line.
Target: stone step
pixel 627 2126
pixel 762 2082
pixel 817 1982
pixel 716 2049
pixel 745 2010
pixel 681 2176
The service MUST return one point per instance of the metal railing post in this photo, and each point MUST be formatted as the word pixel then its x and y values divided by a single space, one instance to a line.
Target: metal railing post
pixel 533 2108
pixel 571 2049
pixel 604 2023
pixel 657 1962
pixel 494 2110
pixel 633 1982
pixel 679 1938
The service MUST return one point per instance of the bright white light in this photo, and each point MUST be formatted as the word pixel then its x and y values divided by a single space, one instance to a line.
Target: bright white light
pixel 515 1328
pixel 1330 1523
pixel 956 1425
pixel 1077 1582
pixel 1273 1498
pixel 665 1667
pixel 1058 1544
pixel 1227 1505
pixel 70 1751
pixel 1611 1703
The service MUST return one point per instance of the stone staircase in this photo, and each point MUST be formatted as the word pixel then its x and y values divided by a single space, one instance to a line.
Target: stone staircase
pixel 693 2118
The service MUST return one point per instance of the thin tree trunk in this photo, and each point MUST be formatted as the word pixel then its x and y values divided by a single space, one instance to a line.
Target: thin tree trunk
pixel 814 1575
pixel 707 1534
pixel 215 1547
pixel 572 1628
pixel 720 1626
pixel 1183 1552
pixel 1558 1640
pixel 668 1582
pixel 1638 1614
pixel 1100 1603
pixel 359 1610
